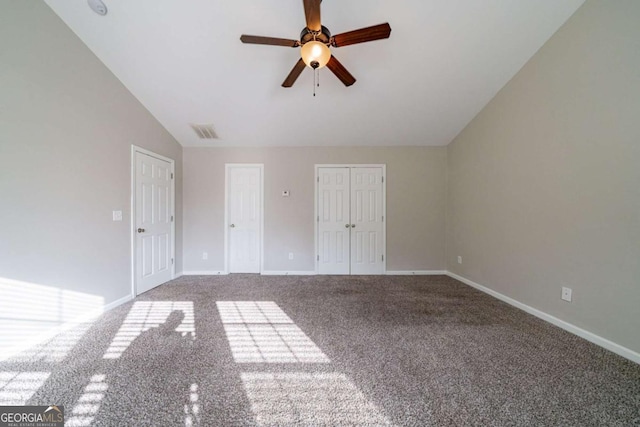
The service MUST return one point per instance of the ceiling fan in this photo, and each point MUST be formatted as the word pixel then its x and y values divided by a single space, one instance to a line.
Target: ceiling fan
pixel 315 40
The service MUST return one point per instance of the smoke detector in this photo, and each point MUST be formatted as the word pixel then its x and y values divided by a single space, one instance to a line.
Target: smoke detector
pixel 98 7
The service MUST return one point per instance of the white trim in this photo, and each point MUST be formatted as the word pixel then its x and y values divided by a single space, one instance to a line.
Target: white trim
pixel 227 167
pixel 52 332
pixel 384 215
pixel 205 273
pixel 132 224
pixel 416 273
pixel 289 273
pixel 350 165
pixel 589 336
pixel 316 267
pixel 384 208
pixel 178 275
pixel 117 303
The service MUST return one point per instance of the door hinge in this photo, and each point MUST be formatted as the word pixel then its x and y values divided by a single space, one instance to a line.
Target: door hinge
pixel 383 179
pixel 172 218
pixel 382 218
pixel 318 179
pixel 171 175
pixel 318 258
pixel 171 261
pixel 382 257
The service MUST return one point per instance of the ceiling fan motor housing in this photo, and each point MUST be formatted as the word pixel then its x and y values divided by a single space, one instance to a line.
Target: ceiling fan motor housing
pixel 324 35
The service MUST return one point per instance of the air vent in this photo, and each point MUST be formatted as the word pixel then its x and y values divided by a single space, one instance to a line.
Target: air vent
pixel 205 131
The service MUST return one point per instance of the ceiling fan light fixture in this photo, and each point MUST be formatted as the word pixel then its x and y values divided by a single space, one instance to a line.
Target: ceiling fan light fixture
pixel 315 54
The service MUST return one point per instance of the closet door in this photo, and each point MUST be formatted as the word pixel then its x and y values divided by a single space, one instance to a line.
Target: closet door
pixel 350 220
pixel 333 220
pixel 366 221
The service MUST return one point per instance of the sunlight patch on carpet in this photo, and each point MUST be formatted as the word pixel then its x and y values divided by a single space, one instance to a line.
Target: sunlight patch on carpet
pixel 260 332
pixel 16 388
pixel 192 409
pixel 300 398
pixel 145 315
pixel 54 350
pixel 87 406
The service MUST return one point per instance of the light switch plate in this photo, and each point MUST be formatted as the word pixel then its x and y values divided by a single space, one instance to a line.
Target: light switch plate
pixel 117 215
pixel 566 294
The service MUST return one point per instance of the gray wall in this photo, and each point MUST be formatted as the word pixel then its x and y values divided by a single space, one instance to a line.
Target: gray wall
pixel 416 198
pixel 66 129
pixel 544 184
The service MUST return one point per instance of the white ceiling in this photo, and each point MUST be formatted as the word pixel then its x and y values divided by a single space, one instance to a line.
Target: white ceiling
pixel 443 63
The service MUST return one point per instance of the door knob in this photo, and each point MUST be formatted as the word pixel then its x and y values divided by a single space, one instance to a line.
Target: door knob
pixel 353 226
pixel 347 225
pixel 232 226
pixel 140 230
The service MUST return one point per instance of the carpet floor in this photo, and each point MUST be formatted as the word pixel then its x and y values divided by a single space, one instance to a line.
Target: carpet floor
pixel 323 350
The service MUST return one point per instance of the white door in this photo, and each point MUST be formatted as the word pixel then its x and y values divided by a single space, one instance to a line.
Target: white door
pixel 350 220
pixel 333 220
pixel 244 204
pixel 153 217
pixel 366 221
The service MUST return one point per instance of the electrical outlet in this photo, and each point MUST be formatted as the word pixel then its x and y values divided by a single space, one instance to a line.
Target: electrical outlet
pixel 117 215
pixel 290 255
pixel 459 259
pixel 566 294
pixel 205 255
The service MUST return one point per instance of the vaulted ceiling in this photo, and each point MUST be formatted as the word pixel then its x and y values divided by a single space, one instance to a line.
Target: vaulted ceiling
pixel 443 63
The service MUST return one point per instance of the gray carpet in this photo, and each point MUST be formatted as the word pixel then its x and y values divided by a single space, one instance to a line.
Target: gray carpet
pixel 252 350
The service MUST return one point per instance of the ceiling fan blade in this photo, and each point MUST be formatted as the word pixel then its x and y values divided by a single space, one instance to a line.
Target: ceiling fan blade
pixel 338 69
pixel 273 41
pixel 295 72
pixel 312 13
pixel 376 32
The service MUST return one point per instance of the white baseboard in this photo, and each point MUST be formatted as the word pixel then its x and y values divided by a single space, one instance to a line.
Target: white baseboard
pixel 205 273
pixel 115 303
pixel 569 327
pixel 313 273
pixel 53 331
pixel 177 275
pixel 416 272
pixel 264 273
pixel 288 273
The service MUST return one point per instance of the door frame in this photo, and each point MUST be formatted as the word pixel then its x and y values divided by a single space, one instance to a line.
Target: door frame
pixel 136 149
pixel 227 182
pixel 315 206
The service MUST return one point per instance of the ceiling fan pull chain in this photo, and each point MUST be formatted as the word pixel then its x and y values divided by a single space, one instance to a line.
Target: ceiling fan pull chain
pixel 314 82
